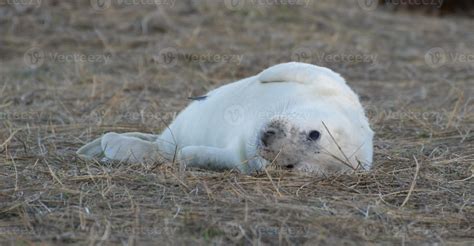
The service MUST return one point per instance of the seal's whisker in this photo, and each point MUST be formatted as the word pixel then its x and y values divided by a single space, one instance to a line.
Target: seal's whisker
pixel 338 146
pixel 338 159
pixel 360 147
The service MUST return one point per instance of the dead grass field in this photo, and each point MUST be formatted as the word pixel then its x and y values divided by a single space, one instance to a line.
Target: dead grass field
pixel 69 72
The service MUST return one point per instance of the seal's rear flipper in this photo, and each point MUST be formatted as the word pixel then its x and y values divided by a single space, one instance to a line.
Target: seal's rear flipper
pixel 92 150
pixel 132 147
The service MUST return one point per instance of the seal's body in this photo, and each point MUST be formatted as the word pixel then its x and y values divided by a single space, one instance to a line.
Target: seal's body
pixel 294 115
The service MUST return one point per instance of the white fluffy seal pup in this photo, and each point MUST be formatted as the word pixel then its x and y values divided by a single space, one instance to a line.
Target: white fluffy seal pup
pixel 293 115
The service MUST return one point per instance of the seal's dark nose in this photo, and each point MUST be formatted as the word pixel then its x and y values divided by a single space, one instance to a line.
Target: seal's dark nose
pixel 290 166
pixel 268 137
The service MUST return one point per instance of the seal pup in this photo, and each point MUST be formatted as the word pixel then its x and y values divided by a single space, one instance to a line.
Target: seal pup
pixel 293 115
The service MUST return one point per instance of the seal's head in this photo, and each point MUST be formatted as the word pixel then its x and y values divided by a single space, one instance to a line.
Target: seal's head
pixel 322 142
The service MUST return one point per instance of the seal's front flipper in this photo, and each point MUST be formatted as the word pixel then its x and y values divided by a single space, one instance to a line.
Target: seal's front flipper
pixel 210 158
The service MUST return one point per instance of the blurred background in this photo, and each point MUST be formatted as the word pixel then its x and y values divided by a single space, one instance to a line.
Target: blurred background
pixel 143 56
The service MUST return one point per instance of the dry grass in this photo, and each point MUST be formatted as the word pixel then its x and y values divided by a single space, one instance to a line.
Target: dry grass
pixel 420 191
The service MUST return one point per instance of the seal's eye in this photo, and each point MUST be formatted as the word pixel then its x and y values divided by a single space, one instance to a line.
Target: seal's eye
pixel 314 135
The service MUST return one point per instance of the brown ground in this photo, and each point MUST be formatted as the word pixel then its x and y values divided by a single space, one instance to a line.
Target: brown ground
pixel 420 101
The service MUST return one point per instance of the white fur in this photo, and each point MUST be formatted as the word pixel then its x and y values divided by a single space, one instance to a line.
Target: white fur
pixel 224 130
